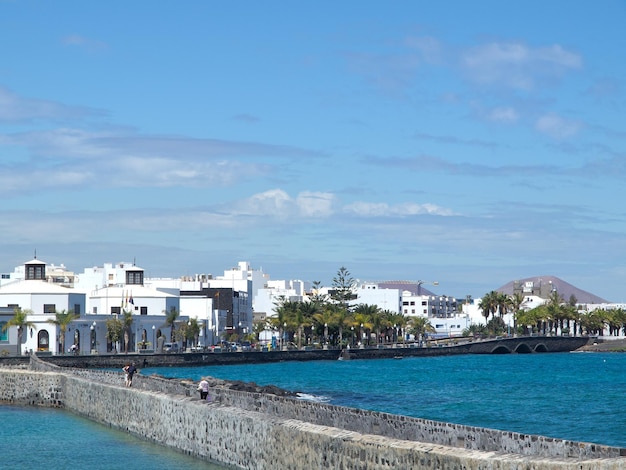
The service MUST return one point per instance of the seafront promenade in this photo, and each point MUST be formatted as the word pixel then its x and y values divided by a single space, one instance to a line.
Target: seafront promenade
pixel 248 430
pixel 512 345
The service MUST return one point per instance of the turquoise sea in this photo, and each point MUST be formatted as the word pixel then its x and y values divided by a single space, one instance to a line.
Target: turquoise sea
pixel 578 396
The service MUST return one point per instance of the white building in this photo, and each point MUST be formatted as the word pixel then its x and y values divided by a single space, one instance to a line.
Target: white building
pixel 36 294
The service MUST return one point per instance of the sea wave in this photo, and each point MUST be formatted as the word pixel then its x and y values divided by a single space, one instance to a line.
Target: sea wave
pixel 315 398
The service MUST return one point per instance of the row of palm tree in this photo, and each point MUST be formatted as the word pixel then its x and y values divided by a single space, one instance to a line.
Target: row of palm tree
pixel 554 315
pixel 308 322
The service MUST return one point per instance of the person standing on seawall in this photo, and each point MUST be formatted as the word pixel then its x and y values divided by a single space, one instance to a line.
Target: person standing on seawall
pixel 125 369
pixel 203 388
pixel 129 370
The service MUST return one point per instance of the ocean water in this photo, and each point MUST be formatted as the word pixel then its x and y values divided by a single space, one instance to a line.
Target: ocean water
pixel 576 396
pixel 51 438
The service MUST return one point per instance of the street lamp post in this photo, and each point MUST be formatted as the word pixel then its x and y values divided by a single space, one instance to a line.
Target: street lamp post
pixel 361 338
pixel 352 329
pixel 325 335
pixel 153 338
pixel 93 336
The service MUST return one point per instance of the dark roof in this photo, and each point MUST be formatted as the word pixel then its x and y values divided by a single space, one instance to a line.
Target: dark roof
pixel 565 289
pixel 411 286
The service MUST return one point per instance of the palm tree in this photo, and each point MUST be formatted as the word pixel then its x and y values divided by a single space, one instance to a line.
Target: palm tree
pixel 489 304
pixel 419 326
pixel 516 301
pixel 554 308
pixel 62 320
pixel 306 314
pixel 364 315
pixel 19 320
pixel 502 302
pixel 399 321
pixel 170 320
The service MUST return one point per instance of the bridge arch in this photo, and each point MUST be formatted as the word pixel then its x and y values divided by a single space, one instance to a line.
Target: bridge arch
pixel 500 349
pixel 523 348
pixel 540 347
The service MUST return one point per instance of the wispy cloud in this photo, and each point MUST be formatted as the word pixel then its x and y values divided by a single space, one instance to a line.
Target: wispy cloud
pixel 517 65
pixel 83 42
pixel 17 109
pixel 557 127
pixel 427 163
pixel 504 115
pixel 448 139
pixel 137 160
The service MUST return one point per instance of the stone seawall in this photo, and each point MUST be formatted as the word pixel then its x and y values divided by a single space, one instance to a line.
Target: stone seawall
pixel 259 431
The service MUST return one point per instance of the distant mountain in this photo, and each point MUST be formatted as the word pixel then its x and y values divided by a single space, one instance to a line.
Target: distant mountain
pixel 544 285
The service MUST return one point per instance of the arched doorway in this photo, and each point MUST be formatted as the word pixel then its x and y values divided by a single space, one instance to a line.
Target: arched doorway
pixel 43 340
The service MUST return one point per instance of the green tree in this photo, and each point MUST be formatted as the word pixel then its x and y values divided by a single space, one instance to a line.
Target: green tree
pixel 343 287
pixel 115 331
pixel 341 294
pixel 419 326
pixel 21 322
pixel 62 320
pixel 489 305
pixel 316 293
pixel 188 332
pixel 515 301
pixel 502 303
pixel 364 316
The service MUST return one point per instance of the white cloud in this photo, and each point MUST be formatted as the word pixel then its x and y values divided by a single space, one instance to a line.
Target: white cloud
pixel 315 204
pixel 516 65
pixel 557 127
pixel 381 209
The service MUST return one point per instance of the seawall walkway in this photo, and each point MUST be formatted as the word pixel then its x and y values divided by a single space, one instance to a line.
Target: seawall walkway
pixel 261 431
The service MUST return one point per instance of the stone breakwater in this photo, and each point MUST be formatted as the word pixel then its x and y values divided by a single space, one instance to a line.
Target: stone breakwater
pixel 253 430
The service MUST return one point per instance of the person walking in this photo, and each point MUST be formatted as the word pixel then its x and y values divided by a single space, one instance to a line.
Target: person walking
pixel 203 388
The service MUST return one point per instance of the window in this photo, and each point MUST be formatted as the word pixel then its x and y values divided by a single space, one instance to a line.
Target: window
pixel 49 308
pixel 77 309
pixel 116 310
pixel 4 334
pixel 6 276
pixel 144 311
pixel 94 310
pixel 35 272
pixel 134 277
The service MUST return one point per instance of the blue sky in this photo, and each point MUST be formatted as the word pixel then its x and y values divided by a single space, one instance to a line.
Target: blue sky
pixel 472 143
